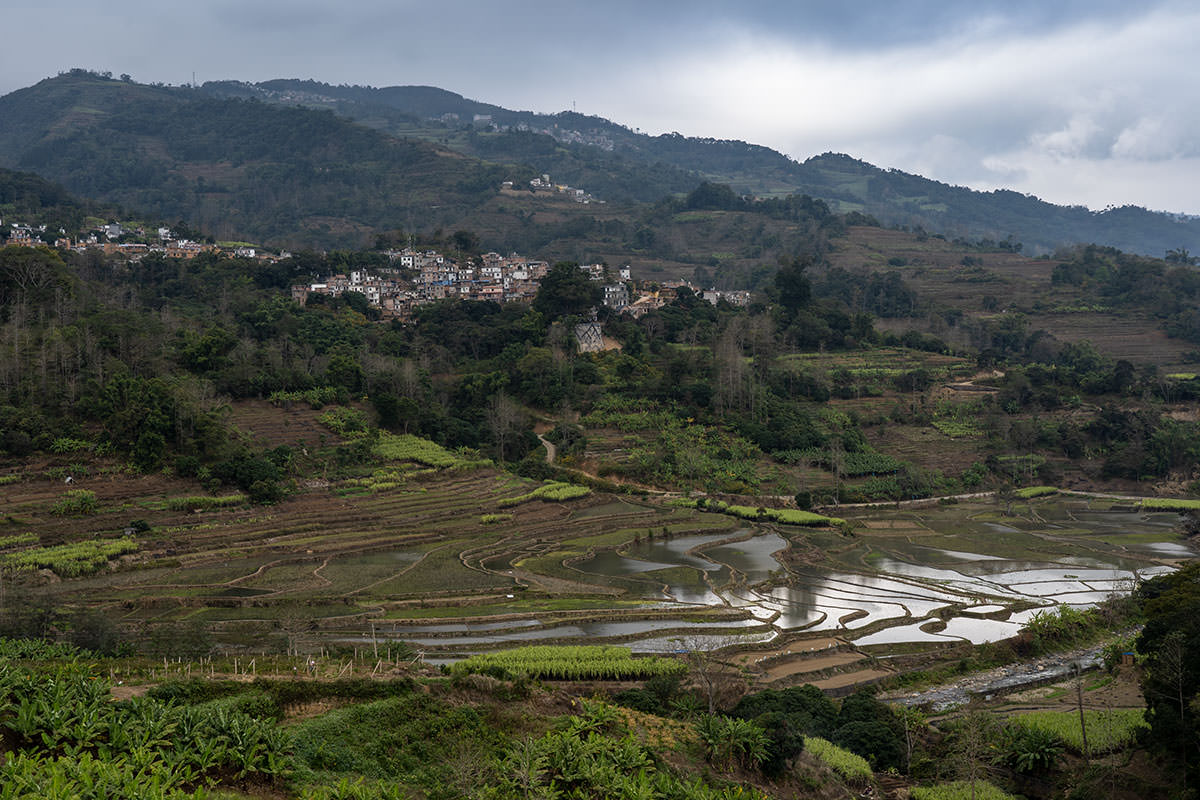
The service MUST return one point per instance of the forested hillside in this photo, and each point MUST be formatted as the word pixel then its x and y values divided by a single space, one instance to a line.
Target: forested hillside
pixel 893 197
pixel 237 169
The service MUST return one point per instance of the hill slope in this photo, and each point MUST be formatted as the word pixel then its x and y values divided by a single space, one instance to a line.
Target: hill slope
pixel 892 196
pixel 235 167
pixel 25 196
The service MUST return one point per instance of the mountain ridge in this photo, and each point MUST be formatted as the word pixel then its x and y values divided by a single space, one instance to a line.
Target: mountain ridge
pixel 304 163
pixel 893 196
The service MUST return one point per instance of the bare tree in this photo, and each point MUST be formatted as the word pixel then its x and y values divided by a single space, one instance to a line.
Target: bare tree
pixel 505 417
pixel 972 748
pixel 720 682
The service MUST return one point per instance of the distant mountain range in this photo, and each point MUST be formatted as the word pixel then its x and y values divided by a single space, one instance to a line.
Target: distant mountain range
pixel 268 162
pixel 848 184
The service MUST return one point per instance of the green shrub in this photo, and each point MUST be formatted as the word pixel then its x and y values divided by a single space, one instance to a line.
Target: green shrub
pixel 1030 492
pixel 76 503
pixel 806 706
pixel 345 421
pixel 731 741
pixel 345 789
pixel 1063 625
pixel 67 445
pixel 317 397
pixel 411 736
pixel 1030 749
pixel 38 650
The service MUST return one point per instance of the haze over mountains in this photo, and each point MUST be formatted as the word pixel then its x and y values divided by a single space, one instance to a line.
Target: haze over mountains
pixel 284 170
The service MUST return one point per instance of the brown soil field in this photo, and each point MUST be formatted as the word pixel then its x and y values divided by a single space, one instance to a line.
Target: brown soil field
pixel 1135 338
pixel 809 666
pixel 297 425
pixel 935 271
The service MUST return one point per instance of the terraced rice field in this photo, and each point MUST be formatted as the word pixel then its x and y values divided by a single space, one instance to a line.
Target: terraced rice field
pixel 421 561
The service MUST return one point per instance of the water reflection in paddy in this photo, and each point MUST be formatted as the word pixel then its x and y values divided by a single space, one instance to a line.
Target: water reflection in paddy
pixel 609 562
pixel 753 558
pixel 675 551
pixel 1169 549
pixel 900 634
pixel 915 577
pixel 980 631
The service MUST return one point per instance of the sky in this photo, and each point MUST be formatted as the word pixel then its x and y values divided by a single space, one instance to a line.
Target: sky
pixel 1080 102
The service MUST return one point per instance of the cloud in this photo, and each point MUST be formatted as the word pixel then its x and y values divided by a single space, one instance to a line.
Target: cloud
pixel 976 106
pixel 983 93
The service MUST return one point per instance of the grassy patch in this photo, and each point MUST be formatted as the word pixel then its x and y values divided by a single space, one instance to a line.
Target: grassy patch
pixel 202 502
pixel 553 492
pixel 570 662
pixel 852 767
pixel 961 790
pixel 1169 504
pixel 68 560
pixel 17 540
pixel 406 447
pixel 787 516
pixel 1030 492
pixel 1106 730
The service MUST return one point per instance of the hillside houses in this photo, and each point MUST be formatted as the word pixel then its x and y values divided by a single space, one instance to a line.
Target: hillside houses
pixel 430 276
pixel 420 277
pixel 107 239
pixel 544 184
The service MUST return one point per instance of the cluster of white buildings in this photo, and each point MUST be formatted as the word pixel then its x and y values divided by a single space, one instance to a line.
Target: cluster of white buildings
pixel 420 277
pixel 544 184
pixel 106 239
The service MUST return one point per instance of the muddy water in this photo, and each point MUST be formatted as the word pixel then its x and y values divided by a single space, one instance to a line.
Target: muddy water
pixel 952 579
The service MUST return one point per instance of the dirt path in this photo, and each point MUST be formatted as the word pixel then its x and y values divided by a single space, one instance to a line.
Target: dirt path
pixel 551 449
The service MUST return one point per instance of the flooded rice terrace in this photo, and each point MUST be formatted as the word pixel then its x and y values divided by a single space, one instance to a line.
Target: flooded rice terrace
pixel 944 574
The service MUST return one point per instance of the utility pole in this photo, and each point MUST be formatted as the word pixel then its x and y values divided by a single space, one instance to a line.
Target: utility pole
pixel 1079 702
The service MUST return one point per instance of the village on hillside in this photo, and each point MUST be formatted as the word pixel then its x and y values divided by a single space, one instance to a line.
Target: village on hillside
pixel 112 239
pixel 414 277
pixel 421 277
